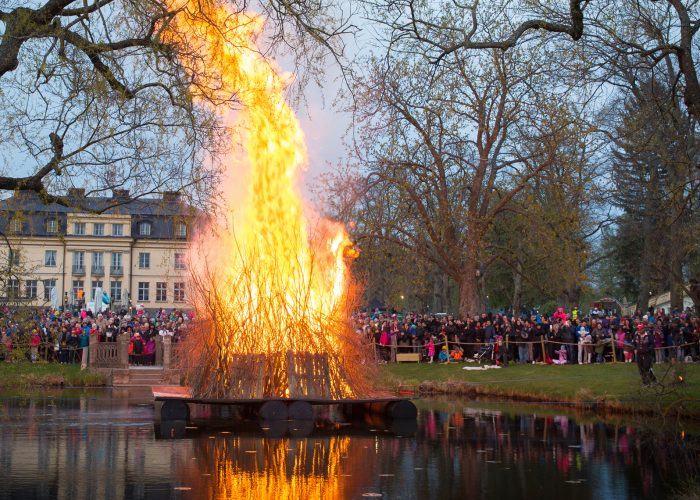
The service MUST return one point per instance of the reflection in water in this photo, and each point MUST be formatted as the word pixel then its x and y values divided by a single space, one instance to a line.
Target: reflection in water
pixel 248 467
pixel 103 445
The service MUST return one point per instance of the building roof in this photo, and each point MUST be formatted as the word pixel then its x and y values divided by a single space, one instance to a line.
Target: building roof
pixel 168 204
pixel 162 212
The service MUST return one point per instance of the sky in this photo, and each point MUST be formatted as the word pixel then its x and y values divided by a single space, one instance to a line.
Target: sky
pixel 324 129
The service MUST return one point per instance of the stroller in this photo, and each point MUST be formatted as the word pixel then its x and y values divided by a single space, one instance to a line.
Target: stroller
pixel 486 353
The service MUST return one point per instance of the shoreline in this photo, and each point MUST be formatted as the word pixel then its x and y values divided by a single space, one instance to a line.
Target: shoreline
pixel 563 386
pixel 605 389
pixel 48 376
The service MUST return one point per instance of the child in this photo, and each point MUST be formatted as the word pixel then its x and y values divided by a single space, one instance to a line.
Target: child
pixel 498 350
pixel 562 356
pixel 431 348
pixel 443 357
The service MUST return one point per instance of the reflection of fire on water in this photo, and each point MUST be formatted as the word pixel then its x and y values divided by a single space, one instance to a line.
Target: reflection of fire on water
pixel 271 303
pixel 251 467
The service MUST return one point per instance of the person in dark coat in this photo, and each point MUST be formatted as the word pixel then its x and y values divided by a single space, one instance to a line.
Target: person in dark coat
pixel 645 349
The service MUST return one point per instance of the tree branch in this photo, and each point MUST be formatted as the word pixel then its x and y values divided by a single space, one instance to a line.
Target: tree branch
pixel 574 30
pixel 36 182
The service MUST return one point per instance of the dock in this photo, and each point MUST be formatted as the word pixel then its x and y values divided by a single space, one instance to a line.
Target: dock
pixel 176 402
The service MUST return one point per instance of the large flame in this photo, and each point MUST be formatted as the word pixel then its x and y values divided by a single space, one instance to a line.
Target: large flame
pixel 265 290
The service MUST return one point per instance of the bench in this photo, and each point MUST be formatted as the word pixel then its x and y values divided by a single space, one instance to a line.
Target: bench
pixel 408 357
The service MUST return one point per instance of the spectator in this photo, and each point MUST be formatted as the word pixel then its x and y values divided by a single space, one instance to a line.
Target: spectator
pixel 35 342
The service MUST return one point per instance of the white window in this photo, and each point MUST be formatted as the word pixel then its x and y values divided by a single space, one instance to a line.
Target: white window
pixel 179 294
pixel 180 261
pixel 115 291
pixel 181 230
pixel 30 289
pixel 98 261
pixel 117 229
pixel 143 291
pixel 16 226
pixel 79 228
pixel 144 260
pixel 95 285
pixel 161 292
pixel 98 229
pixel 14 257
pixel 48 286
pixel 78 286
pixel 13 288
pixel 144 228
pixel 78 260
pixel 51 226
pixel 50 258
pixel 116 261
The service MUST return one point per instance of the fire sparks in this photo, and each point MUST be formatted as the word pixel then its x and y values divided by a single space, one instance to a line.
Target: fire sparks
pixel 271 301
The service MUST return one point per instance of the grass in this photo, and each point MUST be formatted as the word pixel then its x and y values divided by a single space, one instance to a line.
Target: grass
pixel 23 375
pixel 611 386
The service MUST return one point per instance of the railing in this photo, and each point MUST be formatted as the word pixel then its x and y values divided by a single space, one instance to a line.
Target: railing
pixel 116 354
pixel 78 270
pixel 116 271
pixel 98 270
pixel 105 355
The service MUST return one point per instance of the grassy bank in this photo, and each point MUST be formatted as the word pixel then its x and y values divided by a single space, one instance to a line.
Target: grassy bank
pixel 22 375
pixel 607 386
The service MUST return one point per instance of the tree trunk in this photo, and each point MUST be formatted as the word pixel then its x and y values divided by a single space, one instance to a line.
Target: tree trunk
pixel 676 285
pixel 694 291
pixel 517 287
pixel 438 292
pixel 469 293
pixel 645 265
pixel 483 296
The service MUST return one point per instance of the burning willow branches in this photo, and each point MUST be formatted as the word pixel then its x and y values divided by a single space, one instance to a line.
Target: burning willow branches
pixel 271 304
pixel 248 320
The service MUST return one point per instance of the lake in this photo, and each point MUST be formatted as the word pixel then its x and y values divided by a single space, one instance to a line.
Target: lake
pixel 103 444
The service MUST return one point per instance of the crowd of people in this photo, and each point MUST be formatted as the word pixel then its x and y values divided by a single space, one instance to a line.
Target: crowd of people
pixel 565 337
pixel 63 336
pixel 561 338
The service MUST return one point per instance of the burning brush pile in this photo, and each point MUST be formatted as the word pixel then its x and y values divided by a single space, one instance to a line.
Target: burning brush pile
pixel 271 299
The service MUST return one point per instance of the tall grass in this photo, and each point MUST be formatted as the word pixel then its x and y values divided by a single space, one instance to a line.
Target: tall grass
pixel 23 375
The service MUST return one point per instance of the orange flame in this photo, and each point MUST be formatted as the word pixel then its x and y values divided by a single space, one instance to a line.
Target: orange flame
pixel 268 288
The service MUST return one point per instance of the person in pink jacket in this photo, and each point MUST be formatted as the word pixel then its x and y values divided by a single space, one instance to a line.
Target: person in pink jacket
pixel 559 315
pixel 431 348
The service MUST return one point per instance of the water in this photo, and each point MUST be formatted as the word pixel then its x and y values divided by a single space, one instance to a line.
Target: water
pixel 103 444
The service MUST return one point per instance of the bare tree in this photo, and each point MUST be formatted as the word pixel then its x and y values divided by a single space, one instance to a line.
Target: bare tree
pixel 652 30
pixel 450 149
pixel 95 93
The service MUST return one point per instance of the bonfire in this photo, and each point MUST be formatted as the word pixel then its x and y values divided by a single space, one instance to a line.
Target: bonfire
pixel 271 294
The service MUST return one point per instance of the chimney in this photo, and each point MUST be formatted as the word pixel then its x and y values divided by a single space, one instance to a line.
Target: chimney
pixel 120 194
pixel 171 196
pixel 76 193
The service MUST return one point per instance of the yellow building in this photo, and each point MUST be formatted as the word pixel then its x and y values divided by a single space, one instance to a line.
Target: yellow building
pixel 134 250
